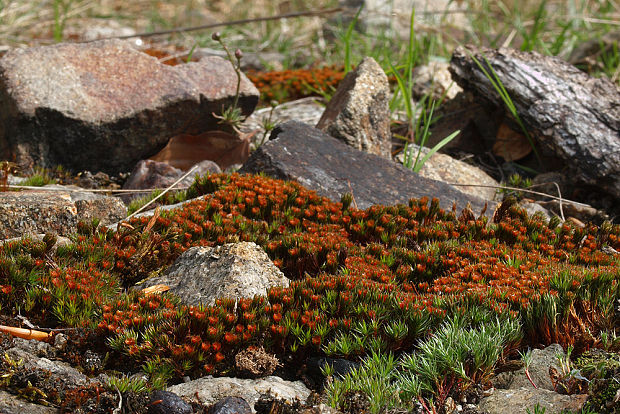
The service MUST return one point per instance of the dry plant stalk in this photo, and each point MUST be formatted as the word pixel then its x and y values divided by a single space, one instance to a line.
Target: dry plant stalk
pixel 26 333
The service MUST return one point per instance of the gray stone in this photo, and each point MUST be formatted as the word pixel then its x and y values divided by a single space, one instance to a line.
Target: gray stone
pixel 59 371
pixel 442 167
pixel 60 241
pixel 262 60
pixel 322 163
pixel 359 112
pixel 33 212
pixel 231 405
pixel 234 270
pixel 533 208
pixel 321 409
pixel 149 174
pixel 307 110
pixel 542 359
pixel 149 213
pixel 11 404
pixel 103 106
pixel 580 211
pixel 434 79
pixel 209 390
pixel 519 401
pixel 392 17
pixel 34 347
pixel 166 402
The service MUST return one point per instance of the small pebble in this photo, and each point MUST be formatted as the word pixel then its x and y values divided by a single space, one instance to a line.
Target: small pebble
pixel 166 402
pixel 231 405
pixel 60 341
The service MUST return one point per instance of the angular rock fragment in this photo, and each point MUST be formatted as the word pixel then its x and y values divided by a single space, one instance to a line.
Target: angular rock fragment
pixel 234 270
pixel 11 404
pixel 523 400
pixel 54 211
pixel 444 168
pixel 166 402
pixel 297 151
pixel 359 112
pixel 103 106
pixel 570 114
pixel 231 405
pixel 154 174
pixel 209 390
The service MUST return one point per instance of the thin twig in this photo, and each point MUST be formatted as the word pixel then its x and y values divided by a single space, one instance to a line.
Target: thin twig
pixel 230 23
pixel 87 190
pixel 502 187
pixel 163 192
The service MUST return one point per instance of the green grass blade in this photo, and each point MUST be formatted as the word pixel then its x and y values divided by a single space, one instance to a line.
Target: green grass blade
pixel 347 40
pixel 418 166
pixel 404 91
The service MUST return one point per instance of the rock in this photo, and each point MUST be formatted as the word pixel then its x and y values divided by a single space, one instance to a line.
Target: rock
pixel 103 106
pixel 231 405
pixel 517 401
pixel 392 17
pixel 154 174
pixel 39 369
pixel 86 179
pixel 103 28
pixel 533 208
pixel 580 211
pixel 359 112
pixel 320 409
pixel 442 167
pixel 258 61
pixel 34 347
pixel 434 79
pixel 209 390
pixel 234 270
pixel 60 241
pixel 340 366
pixel 149 213
pixel 14 180
pixel 166 402
pixel 542 359
pixel 307 110
pixel 569 114
pixel 54 211
pixel 11 404
pixel 297 151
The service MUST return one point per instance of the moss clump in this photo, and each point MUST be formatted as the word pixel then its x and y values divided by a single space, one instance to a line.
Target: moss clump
pixel 381 279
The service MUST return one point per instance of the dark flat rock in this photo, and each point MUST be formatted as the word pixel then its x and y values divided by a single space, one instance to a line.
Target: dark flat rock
pixel 103 106
pixel 297 151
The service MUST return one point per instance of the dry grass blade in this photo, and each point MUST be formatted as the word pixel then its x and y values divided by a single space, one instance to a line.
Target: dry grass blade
pixel 163 192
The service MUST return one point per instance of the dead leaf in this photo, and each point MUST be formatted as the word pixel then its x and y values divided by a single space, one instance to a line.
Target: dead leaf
pixel 223 148
pixel 510 144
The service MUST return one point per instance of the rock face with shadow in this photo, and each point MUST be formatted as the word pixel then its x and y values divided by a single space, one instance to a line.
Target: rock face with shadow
pixel 103 106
